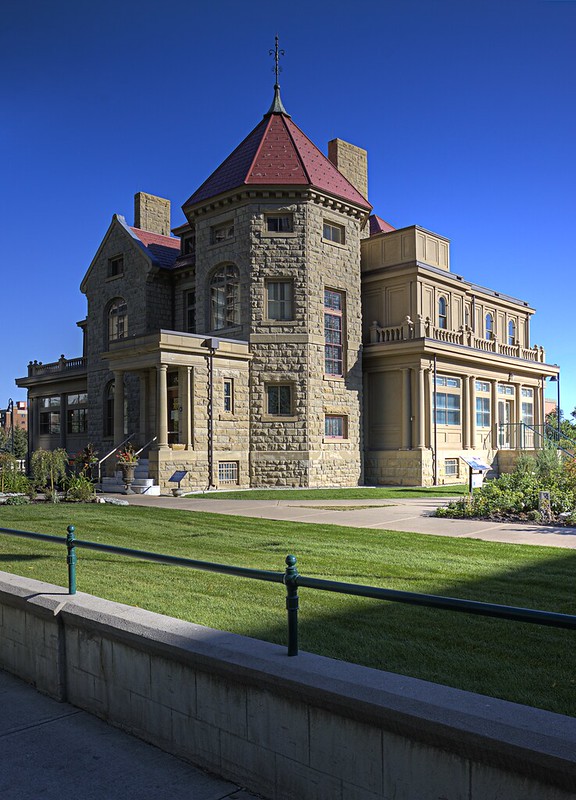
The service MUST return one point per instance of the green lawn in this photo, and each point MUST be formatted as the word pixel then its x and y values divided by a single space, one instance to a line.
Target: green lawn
pixel 357 493
pixel 521 662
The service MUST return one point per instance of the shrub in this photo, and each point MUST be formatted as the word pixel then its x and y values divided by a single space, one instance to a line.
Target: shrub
pixel 80 489
pixel 49 471
pixel 17 500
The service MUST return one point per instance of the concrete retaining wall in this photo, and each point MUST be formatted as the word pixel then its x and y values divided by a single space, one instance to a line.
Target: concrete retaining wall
pixel 307 727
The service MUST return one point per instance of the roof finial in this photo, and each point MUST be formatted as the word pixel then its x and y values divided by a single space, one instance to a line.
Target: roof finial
pixel 277 106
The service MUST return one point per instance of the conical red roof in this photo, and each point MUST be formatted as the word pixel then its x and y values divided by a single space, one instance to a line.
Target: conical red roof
pixel 277 153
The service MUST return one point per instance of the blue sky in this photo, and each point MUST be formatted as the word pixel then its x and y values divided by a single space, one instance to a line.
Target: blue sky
pixel 467 110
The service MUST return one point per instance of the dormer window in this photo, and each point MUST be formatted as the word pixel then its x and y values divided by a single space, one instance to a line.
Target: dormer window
pixel 115 266
pixel 220 233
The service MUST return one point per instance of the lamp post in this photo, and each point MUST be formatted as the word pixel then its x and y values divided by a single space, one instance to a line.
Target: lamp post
pixel 10 409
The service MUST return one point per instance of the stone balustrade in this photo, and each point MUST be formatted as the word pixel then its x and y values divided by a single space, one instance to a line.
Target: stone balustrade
pixel 464 336
pixel 62 365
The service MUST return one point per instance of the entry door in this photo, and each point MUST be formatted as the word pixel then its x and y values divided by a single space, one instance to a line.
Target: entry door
pixel 505 417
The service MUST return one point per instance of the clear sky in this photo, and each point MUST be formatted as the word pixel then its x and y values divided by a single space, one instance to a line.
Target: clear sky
pixel 467 110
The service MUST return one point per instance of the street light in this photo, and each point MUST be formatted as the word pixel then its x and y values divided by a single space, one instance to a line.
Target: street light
pixel 556 379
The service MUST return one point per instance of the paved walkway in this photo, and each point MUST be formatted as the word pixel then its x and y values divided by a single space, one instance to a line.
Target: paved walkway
pixel 52 750
pixel 410 514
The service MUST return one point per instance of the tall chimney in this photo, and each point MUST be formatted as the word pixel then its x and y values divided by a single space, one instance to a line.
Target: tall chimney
pixel 152 213
pixel 352 162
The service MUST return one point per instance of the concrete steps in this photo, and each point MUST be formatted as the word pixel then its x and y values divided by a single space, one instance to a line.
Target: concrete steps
pixel 142 483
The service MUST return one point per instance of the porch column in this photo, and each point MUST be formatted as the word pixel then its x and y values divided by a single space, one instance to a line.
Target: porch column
pixel 494 412
pixel 162 406
pixel 420 409
pixel 465 413
pixel 406 401
pixel 472 380
pixel 63 420
pixel 143 408
pixel 118 406
pixel 185 381
pixel 519 437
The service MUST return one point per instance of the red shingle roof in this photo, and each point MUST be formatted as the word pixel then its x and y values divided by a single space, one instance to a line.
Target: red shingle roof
pixel 277 153
pixel 379 225
pixel 164 250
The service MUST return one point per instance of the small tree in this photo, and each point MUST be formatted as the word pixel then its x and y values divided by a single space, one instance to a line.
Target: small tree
pixel 49 470
pixel 20 441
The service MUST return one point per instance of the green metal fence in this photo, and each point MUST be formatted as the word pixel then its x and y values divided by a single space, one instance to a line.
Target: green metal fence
pixel 292 580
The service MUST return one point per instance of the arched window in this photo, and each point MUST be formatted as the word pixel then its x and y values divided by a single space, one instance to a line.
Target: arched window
pixel 489 326
pixel 511 332
pixel 225 298
pixel 442 315
pixel 117 320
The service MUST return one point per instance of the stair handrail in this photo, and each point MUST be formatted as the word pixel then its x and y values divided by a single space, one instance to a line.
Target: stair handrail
pixel 111 453
pixel 153 439
pixel 545 436
pixel 557 435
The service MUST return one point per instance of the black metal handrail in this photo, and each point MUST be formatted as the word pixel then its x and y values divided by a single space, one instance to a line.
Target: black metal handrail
pixel 293 581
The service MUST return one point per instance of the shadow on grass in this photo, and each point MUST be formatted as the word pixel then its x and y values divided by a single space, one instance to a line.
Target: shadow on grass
pixel 19 557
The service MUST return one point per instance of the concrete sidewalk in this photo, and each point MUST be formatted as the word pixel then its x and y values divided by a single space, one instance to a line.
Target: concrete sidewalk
pixel 52 750
pixel 411 515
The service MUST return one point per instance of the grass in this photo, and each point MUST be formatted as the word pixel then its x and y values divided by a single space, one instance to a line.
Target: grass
pixel 356 493
pixel 520 662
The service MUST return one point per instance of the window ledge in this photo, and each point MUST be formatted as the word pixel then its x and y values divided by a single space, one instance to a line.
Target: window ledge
pixel 334 244
pixel 279 235
pixel 328 377
pixel 110 278
pixel 335 440
pixel 279 418
pixel 231 240
pixel 276 322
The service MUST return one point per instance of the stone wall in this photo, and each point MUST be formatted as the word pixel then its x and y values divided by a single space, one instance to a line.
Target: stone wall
pixel 306 727
pixel 399 467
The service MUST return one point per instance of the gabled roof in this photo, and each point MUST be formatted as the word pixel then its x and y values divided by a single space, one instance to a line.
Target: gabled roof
pixel 379 225
pixel 163 250
pixel 277 153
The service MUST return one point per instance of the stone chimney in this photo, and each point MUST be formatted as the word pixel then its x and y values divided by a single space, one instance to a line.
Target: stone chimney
pixel 152 213
pixel 352 162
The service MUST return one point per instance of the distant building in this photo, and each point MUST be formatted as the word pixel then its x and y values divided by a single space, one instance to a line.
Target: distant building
pixel 286 336
pixel 19 417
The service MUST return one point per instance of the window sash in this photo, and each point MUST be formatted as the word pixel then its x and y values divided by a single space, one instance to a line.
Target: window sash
pixel 279 224
pixel 280 300
pixel 279 399
pixel 483 412
pixel 447 408
pixel 334 426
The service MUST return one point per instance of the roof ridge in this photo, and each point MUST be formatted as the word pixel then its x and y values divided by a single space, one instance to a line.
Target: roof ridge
pixel 155 233
pixel 300 159
pixel 259 148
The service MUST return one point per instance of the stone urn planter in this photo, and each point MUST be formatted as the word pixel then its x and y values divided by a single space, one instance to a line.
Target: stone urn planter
pixel 128 469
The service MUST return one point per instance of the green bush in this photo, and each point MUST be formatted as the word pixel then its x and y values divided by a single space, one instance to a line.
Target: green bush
pixel 49 471
pixel 11 479
pixel 17 500
pixel 517 493
pixel 80 489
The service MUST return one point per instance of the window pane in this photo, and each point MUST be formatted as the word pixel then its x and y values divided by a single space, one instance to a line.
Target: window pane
pixel 280 300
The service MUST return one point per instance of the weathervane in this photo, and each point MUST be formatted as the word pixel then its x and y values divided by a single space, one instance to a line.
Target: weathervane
pixel 276 53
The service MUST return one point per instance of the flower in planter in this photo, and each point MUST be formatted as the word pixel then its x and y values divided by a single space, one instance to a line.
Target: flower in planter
pixel 128 455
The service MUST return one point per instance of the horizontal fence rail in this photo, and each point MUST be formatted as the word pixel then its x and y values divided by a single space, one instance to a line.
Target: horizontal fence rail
pixel 293 581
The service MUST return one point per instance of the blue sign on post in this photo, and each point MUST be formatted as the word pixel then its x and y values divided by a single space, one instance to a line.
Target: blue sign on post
pixel 178 476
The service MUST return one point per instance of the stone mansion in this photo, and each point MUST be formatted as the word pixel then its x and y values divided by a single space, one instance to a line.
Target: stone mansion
pixel 286 336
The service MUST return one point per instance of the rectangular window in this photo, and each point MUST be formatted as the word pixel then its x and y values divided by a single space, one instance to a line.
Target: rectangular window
pixel 527 393
pixel 279 399
pixel 77 420
pixel 80 399
pixel 189 245
pixel 335 426
pixel 190 311
pixel 445 380
pixel 228 387
pixel 451 467
pixel 505 389
pixel 228 472
pixel 482 386
pixel 333 332
pixel 447 408
pixel 527 413
pixel 333 232
pixel 483 412
pixel 115 266
pixel 49 418
pixel 222 232
pixel 279 223
pixel 279 300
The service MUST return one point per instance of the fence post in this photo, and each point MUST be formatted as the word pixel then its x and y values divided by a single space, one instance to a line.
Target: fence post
pixel 291 583
pixel 71 559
